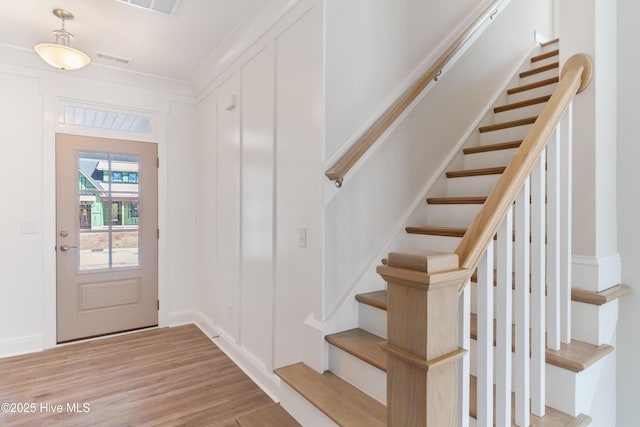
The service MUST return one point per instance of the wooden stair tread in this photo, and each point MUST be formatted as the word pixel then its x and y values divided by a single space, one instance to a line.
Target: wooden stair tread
pixel 599 298
pixel 539 70
pixel 336 398
pixel 476 172
pixel 550 42
pixel 456 200
pixel 545 55
pixel 361 344
pixel 272 415
pixel 534 85
pixel 575 356
pixel 377 299
pixel 553 417
pixel 437 231
pixel 522 104
pixel 492 147
pixel 507 125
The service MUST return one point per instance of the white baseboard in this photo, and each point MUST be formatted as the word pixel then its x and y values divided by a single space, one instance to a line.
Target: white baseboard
pixel 266 380
pixel 22 345
pixel 205 324
pixel 596 273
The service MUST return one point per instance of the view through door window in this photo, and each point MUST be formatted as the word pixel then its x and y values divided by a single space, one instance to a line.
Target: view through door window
pixel 108 208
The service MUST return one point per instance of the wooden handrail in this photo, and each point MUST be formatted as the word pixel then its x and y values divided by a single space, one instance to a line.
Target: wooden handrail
pixel 576 75
pixel 341 167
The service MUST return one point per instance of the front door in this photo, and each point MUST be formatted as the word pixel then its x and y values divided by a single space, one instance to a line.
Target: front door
pixel 107 225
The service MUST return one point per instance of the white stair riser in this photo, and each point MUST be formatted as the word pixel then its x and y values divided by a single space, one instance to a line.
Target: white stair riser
pixel 594 324
pixel 531 93
pixel 519 113
pixel 472 185
pixel 489 159
pixel 516 133
pixel 359 373
pixel 372 320
pixel 548 48
pixel 417 243
pixel 545 61
pixel 539 76
pixel 452 215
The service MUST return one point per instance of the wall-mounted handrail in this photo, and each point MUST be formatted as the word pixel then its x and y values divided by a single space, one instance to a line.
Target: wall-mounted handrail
pixel 350 158
pixel 576 75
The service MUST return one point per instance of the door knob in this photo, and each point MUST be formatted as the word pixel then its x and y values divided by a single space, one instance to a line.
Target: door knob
pixel 65 248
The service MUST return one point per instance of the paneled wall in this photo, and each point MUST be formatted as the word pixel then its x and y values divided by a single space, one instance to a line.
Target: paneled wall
pixel 260 158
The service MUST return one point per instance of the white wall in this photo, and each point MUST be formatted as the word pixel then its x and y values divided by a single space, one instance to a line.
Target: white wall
pixel 260 160
pixel 628 345
pixel 372 46
pixel 33 95
pixel 364 215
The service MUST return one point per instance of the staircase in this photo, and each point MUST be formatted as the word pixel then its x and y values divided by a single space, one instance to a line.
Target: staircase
pixel 354 392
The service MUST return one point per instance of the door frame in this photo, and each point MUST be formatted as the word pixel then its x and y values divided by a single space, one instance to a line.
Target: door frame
pixel 51 127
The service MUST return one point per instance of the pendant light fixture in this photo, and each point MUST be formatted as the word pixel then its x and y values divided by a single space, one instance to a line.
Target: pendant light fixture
pixel 60 54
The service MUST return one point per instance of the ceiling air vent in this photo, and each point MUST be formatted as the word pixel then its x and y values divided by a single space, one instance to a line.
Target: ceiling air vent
pixel 166 7
pixel 114 58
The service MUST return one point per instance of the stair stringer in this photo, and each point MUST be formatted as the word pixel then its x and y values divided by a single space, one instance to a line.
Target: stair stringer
pixel 342 316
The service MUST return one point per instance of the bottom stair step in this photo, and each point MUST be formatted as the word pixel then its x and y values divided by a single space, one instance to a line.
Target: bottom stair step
pixel 339 400
pixel 269 416
pixel 553 418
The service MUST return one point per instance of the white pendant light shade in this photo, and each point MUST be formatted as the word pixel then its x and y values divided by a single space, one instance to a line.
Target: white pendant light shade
pixel 61 56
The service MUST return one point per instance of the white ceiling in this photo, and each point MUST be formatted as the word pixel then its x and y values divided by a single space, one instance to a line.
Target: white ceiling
pixel 167 46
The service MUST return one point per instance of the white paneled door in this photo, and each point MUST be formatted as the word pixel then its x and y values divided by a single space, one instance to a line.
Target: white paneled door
pixel 107 236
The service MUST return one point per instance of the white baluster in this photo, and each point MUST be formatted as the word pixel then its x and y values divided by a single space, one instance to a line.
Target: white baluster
pixel 465 342
pixel 553 242
pixel 522 214
pixel 566 156
pixel 504 320
pixel 538 252
pixel 485 339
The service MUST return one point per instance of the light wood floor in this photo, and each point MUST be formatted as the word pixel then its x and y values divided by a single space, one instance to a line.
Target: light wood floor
pixel 164 377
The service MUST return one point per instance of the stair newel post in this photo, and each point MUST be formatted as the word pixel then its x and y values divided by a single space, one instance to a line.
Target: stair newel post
pixel 423 369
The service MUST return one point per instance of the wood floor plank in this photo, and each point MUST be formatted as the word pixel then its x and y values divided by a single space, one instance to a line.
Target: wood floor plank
pixel 167 376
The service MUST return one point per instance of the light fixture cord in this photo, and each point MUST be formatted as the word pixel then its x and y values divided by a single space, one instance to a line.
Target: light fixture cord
pixel 62 35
